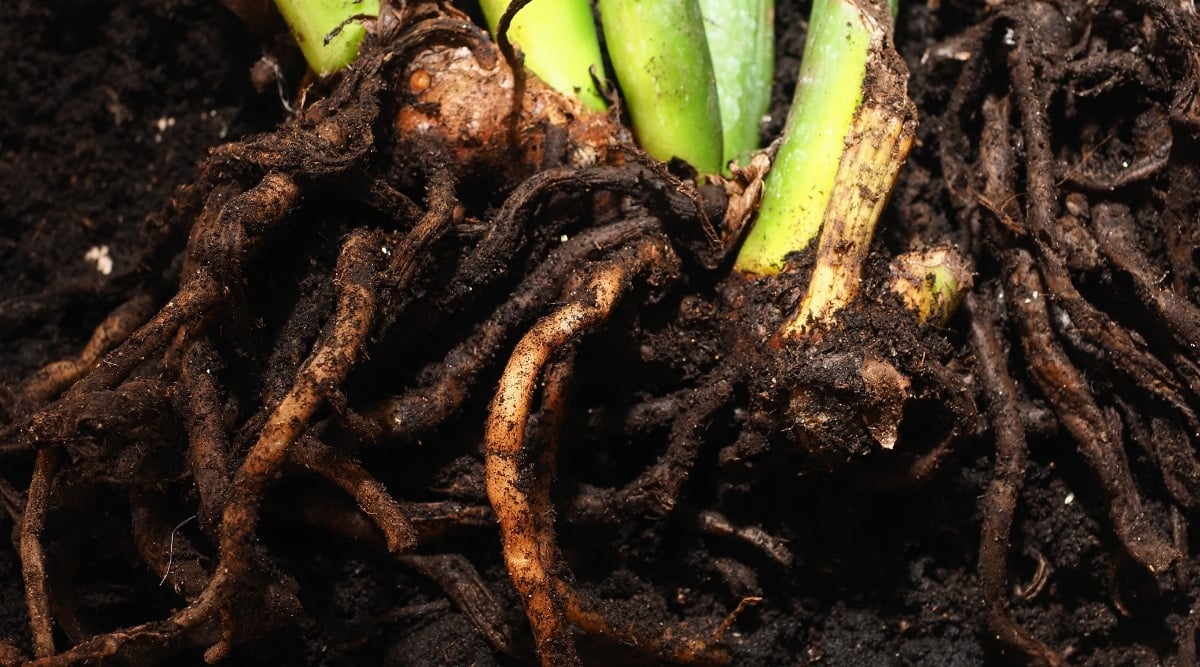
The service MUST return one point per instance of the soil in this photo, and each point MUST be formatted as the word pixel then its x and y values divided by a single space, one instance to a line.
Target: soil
pixel 1044 482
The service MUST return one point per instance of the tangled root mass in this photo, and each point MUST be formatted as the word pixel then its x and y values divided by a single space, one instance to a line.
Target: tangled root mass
pixel 442 298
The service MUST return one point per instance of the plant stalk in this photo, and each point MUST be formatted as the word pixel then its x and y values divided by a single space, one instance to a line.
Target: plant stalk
pixel 848 134
pixel 660 55
pixel 328 31
pixel 741 43
pixel 559 41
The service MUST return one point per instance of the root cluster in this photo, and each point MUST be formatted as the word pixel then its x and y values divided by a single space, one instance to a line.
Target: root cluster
pixel 335 308
pixel 1099 296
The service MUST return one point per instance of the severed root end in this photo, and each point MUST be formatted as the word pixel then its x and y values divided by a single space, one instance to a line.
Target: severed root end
pixel 849 405
pixel 931 282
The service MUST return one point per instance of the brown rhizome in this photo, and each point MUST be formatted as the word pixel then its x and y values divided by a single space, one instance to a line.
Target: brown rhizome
pixel 348 407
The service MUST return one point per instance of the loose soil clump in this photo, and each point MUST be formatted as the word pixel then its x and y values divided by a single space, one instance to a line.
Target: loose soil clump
pixel 440 298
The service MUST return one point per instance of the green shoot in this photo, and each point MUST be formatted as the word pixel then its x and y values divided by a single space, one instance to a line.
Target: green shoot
pixel 328 31
pixel 559 41
pixel 660 54
pixel 741 43
pixel 828 93
pixel 848 134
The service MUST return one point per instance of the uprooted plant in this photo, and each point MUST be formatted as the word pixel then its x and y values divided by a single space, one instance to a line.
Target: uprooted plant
pixel 409 295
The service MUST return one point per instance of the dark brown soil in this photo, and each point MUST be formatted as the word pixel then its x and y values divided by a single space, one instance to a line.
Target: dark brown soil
pixel 1086 285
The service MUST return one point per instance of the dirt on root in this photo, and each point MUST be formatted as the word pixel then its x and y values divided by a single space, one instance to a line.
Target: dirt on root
pixel 1037 506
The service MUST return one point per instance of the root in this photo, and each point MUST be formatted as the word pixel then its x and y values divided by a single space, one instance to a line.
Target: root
pixel 33 557
pixel 372 498
pixel 678 644
pixel 773 547
pixel 1117 239
pixel 185 365
pixel 208 444
pixel 297 335
pixel 490 259
pixel 1001 500
pixel 1166 443
pixel 54 378
pixel 455 575
pixel 327 366
pixel 529 560
pixel 656 491
pixel 1041 256
pixel 1126 354
pixel 411 253
pixel 165 549
pixel 378 137
pixel 1067 391
pixel 448 383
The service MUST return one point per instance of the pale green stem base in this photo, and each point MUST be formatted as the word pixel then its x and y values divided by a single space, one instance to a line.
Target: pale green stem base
pixel 558 39
pixel 326 30
pixel 661 58
pixel 827 95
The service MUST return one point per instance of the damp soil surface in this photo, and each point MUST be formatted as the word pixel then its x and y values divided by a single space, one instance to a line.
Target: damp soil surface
pixel 1036 508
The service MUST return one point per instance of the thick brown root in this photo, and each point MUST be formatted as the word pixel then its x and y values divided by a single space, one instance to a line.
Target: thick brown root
pixel 527 551
pixel 1001 500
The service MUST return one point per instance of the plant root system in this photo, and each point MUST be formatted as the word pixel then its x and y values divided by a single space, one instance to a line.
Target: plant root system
pixel 449 327
pixel 1069 278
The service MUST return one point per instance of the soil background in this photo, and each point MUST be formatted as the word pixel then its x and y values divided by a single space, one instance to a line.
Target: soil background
pixel 109 106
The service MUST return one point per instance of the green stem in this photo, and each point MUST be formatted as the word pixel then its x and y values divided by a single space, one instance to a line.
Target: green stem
pixel 828 92
pixel 660 55
pixel 741 43
pixel 848 135
pixel 558 39
pixel 328 31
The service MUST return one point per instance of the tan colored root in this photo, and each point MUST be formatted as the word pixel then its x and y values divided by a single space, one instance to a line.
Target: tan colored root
pixel 372 497
pixel 522 499
pixel 192 300
pixel 328 365
pixel 97 648
pixel 208 445
pixel 164 548
pixel 775 548
pixel 218 243
pixel 33 558
pixel 54 378
pixel 527 558
pixel 676 643
pixel 451 380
